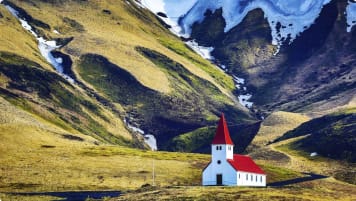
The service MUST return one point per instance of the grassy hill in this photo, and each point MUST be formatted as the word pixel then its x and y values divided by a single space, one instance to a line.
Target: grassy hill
pixel 56 136
pixel 127 65
pixel 289 141
pixel 331 135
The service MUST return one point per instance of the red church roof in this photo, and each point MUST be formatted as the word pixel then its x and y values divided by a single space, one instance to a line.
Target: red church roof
pixel 245 164
pixel 222 135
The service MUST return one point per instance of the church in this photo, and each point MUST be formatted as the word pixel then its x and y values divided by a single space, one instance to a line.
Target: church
pixel 227 168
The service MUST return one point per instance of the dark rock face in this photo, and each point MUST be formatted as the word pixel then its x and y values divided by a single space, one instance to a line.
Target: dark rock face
pixel 164 115
pixel 315 71
pixel 215 23
pixel 67 63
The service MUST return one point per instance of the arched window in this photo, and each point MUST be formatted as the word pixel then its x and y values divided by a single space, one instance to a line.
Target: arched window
pixel 251 177
pixel 217 147
pixel 246 177
pixel 261 179
pixel 256 178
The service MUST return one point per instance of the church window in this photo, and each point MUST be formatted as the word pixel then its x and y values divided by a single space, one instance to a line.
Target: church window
pixel 251 177
pixel 261 179
pixel 217 147
pixel 246 177
pixel 219 162
pixel 256 178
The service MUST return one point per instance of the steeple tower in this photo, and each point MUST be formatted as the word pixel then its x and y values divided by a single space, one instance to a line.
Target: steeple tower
pixel 222 146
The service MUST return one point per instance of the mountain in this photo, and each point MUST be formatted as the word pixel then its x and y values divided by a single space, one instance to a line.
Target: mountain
pixel 88 87
pixel 296 56
pixel 115 71
pixel 109 70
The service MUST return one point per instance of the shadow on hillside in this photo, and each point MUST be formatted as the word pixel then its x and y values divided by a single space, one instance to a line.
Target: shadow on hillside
pixel 310 177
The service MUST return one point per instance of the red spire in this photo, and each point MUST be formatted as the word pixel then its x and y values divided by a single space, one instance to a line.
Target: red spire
pixel 222 135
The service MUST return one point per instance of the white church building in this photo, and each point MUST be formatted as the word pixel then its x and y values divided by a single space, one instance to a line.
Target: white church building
pixel 227 168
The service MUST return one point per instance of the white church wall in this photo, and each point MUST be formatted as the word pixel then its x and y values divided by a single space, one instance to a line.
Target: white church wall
pixel 222 151
pixel 224 168
pixel 250 179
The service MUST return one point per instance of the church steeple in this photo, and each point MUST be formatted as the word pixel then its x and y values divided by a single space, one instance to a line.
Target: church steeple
pixel 222 135
pixel 222 147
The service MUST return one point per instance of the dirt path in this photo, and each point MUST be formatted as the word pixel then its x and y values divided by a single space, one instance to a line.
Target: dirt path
pixel 305 163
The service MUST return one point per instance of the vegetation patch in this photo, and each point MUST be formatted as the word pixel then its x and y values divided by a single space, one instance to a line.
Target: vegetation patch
pixel 54 92
pixel 72 137
pixel 331 136
pixel 191 106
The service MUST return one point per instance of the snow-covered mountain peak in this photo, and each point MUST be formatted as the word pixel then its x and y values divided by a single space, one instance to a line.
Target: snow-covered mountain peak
pixel 287 19
pixel 351 15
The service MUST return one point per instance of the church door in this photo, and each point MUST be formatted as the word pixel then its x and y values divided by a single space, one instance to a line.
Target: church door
pixel 219 179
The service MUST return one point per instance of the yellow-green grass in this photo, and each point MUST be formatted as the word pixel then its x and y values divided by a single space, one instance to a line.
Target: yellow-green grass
pixel 285 154
pixel 318 190
pixel 302 161
pixel 14 197
pixel 115 36
pixel 14 38
pixel 275 125
pixel 36 156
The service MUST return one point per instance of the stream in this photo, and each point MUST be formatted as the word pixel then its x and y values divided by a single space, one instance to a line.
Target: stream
pixel 45 46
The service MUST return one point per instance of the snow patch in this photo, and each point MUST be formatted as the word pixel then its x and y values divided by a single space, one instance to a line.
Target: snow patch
pixel 46 47
pixel 1 1
pixel 173 9
pixel 204 52
pixel 149 139
pixel 351 15
pixel 59 60
pixel 313 154
pixel 238 80
pixel 287 19
pixel 56 32
pixel 243 99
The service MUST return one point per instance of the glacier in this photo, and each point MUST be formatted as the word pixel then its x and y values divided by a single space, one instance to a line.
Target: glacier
pixel 351 15
pixel 287 19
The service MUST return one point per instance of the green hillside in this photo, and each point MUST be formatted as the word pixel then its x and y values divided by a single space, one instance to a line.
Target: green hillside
pixel 126 65
pixel 331 135
pixel 131 73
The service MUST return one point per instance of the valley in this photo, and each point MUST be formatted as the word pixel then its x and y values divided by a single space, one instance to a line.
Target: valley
pixel 124 97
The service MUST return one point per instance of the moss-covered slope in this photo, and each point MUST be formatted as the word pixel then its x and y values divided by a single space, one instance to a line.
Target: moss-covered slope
pixel 128 68
pixel 331 136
